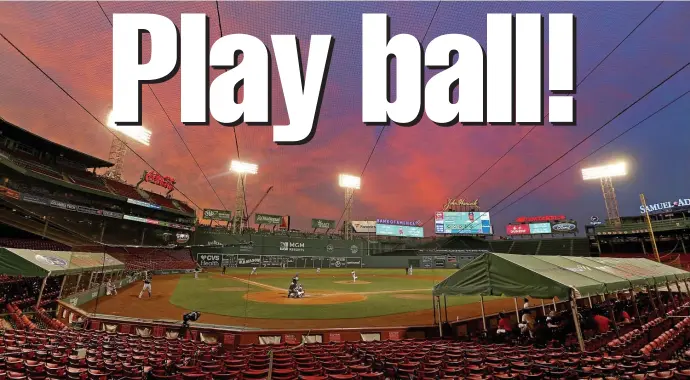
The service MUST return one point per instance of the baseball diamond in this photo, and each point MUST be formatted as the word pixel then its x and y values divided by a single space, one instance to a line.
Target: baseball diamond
pixel 380 297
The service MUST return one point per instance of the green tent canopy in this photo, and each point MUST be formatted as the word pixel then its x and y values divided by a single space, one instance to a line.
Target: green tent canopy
pixel 500 274
pixel 33 263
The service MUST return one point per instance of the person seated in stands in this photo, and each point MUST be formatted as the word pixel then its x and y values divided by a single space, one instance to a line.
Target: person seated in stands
pixel 505 325
pixel 602 323
pixel 553 321
pixel 623 315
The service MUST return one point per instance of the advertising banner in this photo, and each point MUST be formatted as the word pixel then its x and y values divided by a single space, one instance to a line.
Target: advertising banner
pixel 281 245
pixel 273 261
pixel 666 206
pixel 157 179
pixel 439 261
pixel 323 223
pixel 249 261
pixel 543 218
pixel 181 237
pixel 7 192
pixel 35 199
pixel 209 259
pixel 143 204
pixel 398 230
pixel 463 223
pixel 517 229
pixel 292 246
pixel 337 262
pixel 69 207
pixel 212 214
pixel 364 226
pixel 268 219
pixel 354 262
pixel 564 227
pixel 427 261
pixel 539 228
pixel 228 260
pixel 451 203
pixel 396 222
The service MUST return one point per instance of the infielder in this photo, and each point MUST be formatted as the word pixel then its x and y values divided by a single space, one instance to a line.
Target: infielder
pixel 354 276
pixel 318 270
pixel 147 287
pixel 253 271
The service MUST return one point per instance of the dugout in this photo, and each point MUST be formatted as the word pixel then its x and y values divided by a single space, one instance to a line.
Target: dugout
pixel 80 270
pixel 563 277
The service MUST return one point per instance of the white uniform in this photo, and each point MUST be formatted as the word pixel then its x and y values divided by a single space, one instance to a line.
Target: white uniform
pixel 318 270
pixel 196 273
pixel 110 289
pixel 253 271
pixel 354 276
pixel 410 272
pixel 147 287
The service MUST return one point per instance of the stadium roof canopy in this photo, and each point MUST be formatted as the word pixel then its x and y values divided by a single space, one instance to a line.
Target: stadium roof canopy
pixel 31 263
pixel 16 133
pixel 496 274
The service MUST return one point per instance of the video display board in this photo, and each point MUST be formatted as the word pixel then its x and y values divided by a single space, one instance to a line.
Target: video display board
pixel 463 223
pixel 539 228
pixel 404 231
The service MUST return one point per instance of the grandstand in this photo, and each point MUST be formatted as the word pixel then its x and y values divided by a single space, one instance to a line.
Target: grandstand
pixel 52 191
pixel 631 238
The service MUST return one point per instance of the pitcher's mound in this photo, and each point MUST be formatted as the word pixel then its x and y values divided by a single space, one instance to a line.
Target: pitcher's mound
pixel 310 298
pixel 349 282
pixel 230 289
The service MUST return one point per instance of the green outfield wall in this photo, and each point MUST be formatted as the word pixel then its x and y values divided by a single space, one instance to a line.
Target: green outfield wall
pixel 284 245
pixel 209 257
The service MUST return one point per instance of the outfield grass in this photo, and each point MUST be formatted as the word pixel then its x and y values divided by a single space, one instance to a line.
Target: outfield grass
pixel 199 295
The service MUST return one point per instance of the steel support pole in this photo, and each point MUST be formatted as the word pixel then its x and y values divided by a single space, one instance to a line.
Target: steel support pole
pixel 576 320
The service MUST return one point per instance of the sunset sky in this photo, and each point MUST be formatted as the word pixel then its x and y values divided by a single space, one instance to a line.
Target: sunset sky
pixel 413 169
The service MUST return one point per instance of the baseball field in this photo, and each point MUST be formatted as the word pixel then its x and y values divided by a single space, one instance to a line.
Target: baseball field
pixel 379 297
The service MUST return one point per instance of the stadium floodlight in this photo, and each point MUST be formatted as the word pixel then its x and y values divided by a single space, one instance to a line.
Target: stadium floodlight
pixel 605 174
pixel 614 170
pixel 118 148
pixel 349 182
pixel 136 132
pixel 240 167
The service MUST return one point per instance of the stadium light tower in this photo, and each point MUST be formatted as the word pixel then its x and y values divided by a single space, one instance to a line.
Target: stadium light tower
pixel 241 169
pixel 605 174
pixel 350 184
pixel 118 149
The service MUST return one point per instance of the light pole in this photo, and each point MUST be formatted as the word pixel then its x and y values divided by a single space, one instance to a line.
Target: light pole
pixel 350 184
pixel 118 149
pixel 241 169
pixel 605 174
